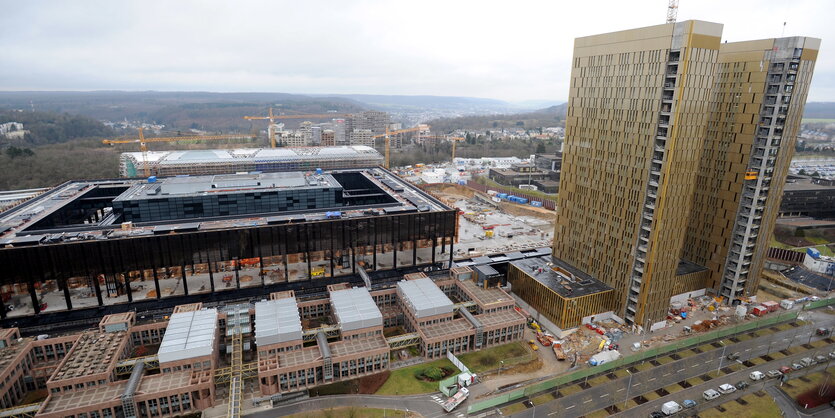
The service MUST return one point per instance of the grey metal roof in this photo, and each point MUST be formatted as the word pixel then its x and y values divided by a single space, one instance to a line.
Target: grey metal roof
pixel 355 309
pixel 256 155
pixel 423 297
pixel 277 321
pixel 189 335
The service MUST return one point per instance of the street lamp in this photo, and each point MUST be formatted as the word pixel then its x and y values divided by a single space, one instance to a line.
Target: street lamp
pixel 628 387
pixel 724 347
pixel 501 365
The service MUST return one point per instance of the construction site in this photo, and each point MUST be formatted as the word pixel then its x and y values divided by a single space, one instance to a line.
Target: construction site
pixel 201 356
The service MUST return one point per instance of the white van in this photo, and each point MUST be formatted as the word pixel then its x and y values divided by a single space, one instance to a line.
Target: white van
pixel 755 375
pixel 710 394
pixel 670 408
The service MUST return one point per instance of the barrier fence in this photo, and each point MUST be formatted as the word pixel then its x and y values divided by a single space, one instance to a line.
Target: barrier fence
pixel 642 356
pixel 547 202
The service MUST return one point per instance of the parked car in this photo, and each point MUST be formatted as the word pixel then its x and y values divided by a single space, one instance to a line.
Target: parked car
pixel 733 356
pixel 785 370
pixel 774 373
pixel 755 375
pixel 807 361
pixel 822 331
pixel 832 354
pixel 656 414
pixel 689 403
pixel 710 394
pixel 727 388
pixel 797 366
pixel 820 359
pixel 741 385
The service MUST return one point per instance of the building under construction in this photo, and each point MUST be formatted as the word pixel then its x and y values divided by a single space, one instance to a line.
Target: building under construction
pixel 230 161
pixel 131 244
pixel 199 356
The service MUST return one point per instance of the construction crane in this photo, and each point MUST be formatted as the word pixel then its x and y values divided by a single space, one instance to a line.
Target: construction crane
pixel 272 118
pixel 388 135
pixel 143 143
pixel 672 11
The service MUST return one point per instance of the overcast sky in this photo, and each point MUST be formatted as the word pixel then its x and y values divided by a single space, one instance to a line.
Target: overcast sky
pixel 510 50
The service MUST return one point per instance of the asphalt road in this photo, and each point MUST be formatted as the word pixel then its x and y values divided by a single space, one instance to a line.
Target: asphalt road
pixel 619 390
pixel 695 392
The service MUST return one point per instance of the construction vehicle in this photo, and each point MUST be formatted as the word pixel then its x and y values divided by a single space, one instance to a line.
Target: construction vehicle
pixel 456 399
pixel 388 135
pixel 543 339
pixel 533 345
pixel 534 325
pixel 272 118
pixel 317 271
pixel 143 143
pixel 559 352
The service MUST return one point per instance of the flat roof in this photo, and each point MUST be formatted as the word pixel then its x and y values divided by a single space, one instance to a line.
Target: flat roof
pixel 277 321
pixel 244 155
pixel 800 183
pixel 94 352
pixel 687 267
pixel 355 309
pixel 424 298
pixel 542 270
pixel 357 345
pixel 189 335
pixel 20 222
pixel 169 187
pixel 506 316
pixel 87 397
pixel 9 353
pixel 443 329
pixel 484 296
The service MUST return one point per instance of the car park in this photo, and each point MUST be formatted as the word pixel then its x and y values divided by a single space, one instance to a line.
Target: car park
pixel 710 394
pixel 756 375
pixel 741 385
pixel 689 403
pixel 727 388
pixel 774 373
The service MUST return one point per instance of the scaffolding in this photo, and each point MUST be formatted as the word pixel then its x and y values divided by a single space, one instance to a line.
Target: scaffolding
pixel 235 372
pixel 229 161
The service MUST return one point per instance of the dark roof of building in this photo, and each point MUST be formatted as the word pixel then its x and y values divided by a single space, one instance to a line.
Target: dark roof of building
pixel 800 183
pixel 687 267
pixel 542 269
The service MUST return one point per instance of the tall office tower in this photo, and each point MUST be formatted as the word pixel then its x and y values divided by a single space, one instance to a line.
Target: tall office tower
pixel 341 131
pixel 759 95
pixel 677 149
pixel 315 135
pixel 637 112
pixel 371 119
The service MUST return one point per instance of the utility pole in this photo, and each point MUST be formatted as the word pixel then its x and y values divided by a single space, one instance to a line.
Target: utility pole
pixel 724 347
pixel 628 387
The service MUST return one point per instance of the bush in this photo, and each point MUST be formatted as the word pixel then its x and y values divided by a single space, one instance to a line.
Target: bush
pixel 433 373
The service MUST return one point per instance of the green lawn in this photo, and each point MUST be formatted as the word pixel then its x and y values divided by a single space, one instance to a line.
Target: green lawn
pixel 673 388
pixel 798 386
pixel 351 412
pixel 600 413
pixel 599 380
pixel 512 409
pixel 757 407
pixel 488 359
pixel 403 381
pixel 570 390
pixel 686 353
pixel 817 120
pixel 541 399
pixel 621 373
pixel 651 396
pixel 665 360
pixel 643 367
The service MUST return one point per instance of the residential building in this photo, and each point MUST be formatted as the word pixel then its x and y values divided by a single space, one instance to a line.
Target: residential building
pixel 363 137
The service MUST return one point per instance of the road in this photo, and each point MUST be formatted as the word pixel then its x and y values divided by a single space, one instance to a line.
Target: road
pixel 618 391
pixel 695 392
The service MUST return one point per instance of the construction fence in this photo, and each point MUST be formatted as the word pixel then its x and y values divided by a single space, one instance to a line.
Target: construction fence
pixel 635 358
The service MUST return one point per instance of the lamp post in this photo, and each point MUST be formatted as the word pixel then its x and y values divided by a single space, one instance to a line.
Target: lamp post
pixel 628 387
pixel 724 347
